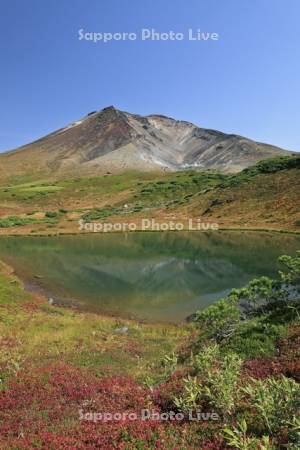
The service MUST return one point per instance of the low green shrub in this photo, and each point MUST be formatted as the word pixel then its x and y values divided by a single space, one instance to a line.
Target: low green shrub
pixel 276 402
pixel 215 382
pixel 51 214
pixel 238 438
pixel 14 221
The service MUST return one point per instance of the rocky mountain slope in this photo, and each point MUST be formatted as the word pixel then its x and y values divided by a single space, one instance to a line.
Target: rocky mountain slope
pixel 113 141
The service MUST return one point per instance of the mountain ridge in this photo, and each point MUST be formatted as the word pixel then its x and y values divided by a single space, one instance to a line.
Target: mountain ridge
pixel 111 140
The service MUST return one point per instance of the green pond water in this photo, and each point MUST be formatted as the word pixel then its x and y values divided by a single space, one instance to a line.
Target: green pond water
pixel 148 276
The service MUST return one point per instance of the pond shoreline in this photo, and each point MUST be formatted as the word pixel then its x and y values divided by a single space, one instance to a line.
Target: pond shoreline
pixel 44 295
pixel 89 233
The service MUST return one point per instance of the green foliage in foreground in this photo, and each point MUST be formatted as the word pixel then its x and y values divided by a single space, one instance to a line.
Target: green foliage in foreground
pixel 275 401
pixel 261 412
pixel 215 381
pixel 259 311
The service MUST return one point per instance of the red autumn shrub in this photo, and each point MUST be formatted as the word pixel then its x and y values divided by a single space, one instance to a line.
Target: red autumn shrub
pixel 40 409
pixel 164 394
pixel 261 368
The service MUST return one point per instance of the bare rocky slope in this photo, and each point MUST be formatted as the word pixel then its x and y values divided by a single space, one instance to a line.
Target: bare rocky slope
pixel 114 141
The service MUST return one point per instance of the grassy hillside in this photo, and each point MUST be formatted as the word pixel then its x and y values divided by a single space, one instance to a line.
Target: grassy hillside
pixel 263 196
pixel 266 195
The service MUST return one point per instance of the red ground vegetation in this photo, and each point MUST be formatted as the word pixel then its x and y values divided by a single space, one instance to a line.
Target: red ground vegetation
pixel 40 409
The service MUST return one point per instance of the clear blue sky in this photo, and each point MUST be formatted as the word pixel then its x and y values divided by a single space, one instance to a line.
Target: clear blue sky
pixel 247 83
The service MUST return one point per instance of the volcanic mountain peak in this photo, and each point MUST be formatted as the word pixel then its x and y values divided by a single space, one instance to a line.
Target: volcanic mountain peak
pixel 114 140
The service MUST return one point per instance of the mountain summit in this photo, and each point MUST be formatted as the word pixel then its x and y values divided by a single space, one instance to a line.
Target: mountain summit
pixel 114 141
